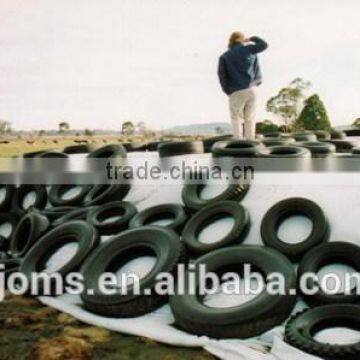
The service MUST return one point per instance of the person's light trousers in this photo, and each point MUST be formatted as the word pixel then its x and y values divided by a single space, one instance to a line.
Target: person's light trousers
pixel 242 111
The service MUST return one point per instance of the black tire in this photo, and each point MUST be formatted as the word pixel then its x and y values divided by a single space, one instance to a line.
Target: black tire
pixel 289 207
pixel 208 215
pixel 101 194
pixel 278 141
pixel 98 215
pixel 11 218
pixel 29 229
pixel 57 191
pixel 161 242
pixel 76 214
pixel 5 203
pixel 325 254
pixel 20 194
pixel 108 152
pixel 318 148
pixel 322 135
pixel 153 146
pixel 35 154
pixel 56 212
pixel 4 244
pixel 301 328
pixel 337 135
pixel 352 132
pixel 126 145
pixel 344 145
pixel 74 231
pixel 271 134
pixel 175 212
pixel 284 152
pixel 246 320
pixel 191 194
pixel 168 149
pixel 137 146
pixel 53 154
pixel 286 135
pixel 304 136
pixel 208 143
pixel 236 148
pixel 78 149
pixel 11 266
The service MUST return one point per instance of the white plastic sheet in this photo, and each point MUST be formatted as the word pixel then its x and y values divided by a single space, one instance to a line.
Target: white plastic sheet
pixel 341 205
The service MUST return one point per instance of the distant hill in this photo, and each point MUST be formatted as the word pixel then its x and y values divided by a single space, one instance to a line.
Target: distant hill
pixel 200 129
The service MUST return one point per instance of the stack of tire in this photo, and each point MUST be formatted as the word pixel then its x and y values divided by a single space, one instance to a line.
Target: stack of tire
pixel 51 220
pixel 41 230
pixel 282 145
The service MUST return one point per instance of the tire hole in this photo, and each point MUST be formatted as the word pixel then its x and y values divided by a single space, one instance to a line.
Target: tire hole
pixel 212 190
pixel 222 299
pixel 139 261
pixel 295 229
pixel 216 230
pixel 340 271
pixel 61 257
pixel 29 200
pixel 338 336
pixel 2 194
pixel 110 215
pixel 166 219
pixel 71 193
pixel 5 229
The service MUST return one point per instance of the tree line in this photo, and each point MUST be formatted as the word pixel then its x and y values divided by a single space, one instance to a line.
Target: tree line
pixel 293 108
pixel 295 111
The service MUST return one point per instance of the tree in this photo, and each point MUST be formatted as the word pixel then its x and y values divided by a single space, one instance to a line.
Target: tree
pixel 266 126
pixel 313 115
pixel 5 127
pixel 88 132
pixel 128 128
pixel 64 126
pixel 219 130
pixel 42 133
pixel 357 122
pixel 288 103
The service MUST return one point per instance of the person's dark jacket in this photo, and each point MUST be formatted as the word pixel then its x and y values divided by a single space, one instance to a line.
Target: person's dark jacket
pixel 239 66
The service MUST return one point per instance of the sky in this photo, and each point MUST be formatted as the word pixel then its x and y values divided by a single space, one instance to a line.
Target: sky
pixel 99 63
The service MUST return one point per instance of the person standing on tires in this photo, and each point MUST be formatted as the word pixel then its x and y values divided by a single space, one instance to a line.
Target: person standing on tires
pixel 239 74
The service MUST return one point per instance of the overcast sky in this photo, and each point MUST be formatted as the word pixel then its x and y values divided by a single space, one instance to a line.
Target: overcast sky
pixel 98 63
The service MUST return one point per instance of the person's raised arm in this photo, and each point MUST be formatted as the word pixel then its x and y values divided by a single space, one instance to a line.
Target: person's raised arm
pixel 258 45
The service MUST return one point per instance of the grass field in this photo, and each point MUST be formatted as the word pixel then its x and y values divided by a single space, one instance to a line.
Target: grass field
pixel 29 330
pixel 16 147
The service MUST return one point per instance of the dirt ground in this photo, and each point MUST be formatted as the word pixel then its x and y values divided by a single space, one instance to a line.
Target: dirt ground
pixel 29 330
